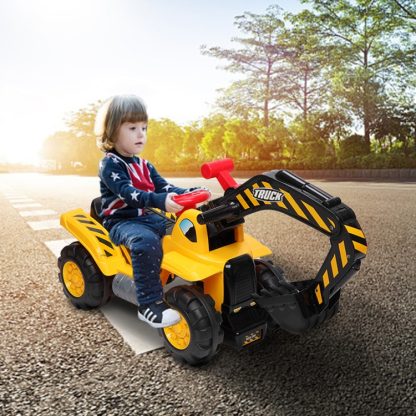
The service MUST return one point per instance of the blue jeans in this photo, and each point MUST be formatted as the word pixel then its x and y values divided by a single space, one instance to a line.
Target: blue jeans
pixel 143 236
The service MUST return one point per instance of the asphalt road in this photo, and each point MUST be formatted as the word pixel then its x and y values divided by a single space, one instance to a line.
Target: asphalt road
pixel 56 360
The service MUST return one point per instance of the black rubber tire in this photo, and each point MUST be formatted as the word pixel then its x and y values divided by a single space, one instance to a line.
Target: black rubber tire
pixel 97 287
pixel 272 278
pixel 204 323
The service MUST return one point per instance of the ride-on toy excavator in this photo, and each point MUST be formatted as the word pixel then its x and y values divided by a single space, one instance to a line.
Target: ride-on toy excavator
pixel 231 294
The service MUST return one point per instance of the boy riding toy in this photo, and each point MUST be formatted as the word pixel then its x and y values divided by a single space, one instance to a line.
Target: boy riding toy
pixel 232 294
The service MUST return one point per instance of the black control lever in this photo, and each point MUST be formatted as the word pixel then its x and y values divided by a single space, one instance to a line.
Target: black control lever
pixel 219 213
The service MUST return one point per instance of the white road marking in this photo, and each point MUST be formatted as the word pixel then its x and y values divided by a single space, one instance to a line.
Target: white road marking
pixel 21 200
pixel 14 196
pixel 57 245
pixel 122 315
pixel 44 225
pixel 34 205
pixel 38 212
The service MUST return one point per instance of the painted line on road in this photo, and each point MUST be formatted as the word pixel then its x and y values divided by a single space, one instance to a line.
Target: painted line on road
pixel 21 200
pixel 122 315
pixel 34 205
pixel 57 245
pixel 139 336
pixel 14 196
pixel 44 225
pixel 36 213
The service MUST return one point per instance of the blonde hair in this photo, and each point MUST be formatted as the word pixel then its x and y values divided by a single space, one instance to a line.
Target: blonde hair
pixel 113 113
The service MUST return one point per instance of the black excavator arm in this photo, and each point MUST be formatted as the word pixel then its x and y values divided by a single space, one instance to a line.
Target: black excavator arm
pixel 281 190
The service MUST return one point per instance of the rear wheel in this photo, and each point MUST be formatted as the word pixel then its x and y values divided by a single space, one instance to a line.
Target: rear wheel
pixel 82 281
pixel 272 279
pixel 197 336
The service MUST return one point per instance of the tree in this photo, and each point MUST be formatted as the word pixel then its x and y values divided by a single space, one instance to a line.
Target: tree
pixel 212 141
pixel 81 126
pixel 352 146
pixel 258 59
pixel 396 123
pixel 307 60
pixel 241 140
pixel 164 143
pixel 273 140
pixel 407 8
pixel 370 45
pixel 61 148
pixel 191 148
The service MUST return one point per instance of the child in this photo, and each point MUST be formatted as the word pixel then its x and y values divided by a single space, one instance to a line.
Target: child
pixel 129 184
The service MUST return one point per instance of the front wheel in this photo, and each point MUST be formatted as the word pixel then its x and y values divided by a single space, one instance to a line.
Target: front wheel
pixel 197 336
pixel 82 281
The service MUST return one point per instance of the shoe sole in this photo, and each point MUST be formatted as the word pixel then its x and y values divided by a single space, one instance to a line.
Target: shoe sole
pixel 156 325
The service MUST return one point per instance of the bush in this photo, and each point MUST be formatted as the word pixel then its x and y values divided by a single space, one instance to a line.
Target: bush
pixel 379 161
pixel 353 146
pixel 313 162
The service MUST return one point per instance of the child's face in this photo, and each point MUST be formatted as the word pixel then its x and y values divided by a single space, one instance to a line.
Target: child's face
pixel 131 138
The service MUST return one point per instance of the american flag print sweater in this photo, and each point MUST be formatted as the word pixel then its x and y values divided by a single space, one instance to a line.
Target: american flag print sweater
pixel 130 184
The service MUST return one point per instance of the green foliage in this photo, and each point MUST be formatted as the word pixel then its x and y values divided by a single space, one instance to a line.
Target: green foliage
pixel 81 128
pixel 379 161
pixel 165 140
pixel 212 140
pixel 353 146
pixel 310 83
pixel 372 49
pixel 259 58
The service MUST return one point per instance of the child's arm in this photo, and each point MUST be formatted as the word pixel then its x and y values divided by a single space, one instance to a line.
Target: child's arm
pixel 115 178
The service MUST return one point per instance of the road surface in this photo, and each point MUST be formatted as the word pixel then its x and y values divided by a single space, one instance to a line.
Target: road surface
pixel 56 360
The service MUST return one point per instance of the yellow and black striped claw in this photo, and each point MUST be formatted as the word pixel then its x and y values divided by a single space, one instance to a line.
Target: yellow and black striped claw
pixel 358 238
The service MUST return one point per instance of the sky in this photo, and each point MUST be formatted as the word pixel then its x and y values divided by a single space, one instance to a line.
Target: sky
pixel 58 56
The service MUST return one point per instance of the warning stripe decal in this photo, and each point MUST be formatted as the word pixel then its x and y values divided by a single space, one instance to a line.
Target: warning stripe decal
pixel 338 262
pixel 342 251
pixel 334 266
pixel 318 293
pixel 316 216
pixel 104 241
pixel 242 202
pixel 99 234
pixel 360 247
pixel 326 279
pixel 251 197
pixel 294 204
pixel 257 186
pixel 355 231
pixel 281 204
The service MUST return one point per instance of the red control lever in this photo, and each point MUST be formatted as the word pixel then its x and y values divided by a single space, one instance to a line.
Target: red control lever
pixel 221 170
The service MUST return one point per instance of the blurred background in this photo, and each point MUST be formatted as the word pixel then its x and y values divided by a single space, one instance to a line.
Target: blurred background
pixel 290 84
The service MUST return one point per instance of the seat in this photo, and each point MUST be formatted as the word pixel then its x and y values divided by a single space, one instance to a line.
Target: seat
pixel 95 209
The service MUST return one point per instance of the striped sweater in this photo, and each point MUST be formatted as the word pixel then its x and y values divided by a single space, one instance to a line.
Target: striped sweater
pixel 129 184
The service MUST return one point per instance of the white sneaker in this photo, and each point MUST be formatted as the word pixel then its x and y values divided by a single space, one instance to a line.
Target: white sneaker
pixel 158 314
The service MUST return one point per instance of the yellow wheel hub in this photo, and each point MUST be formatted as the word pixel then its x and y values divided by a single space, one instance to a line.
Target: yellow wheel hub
pixel 179 335
pixel 73 279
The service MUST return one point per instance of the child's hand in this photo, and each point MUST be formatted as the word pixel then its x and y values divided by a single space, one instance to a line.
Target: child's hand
pixel 171 205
